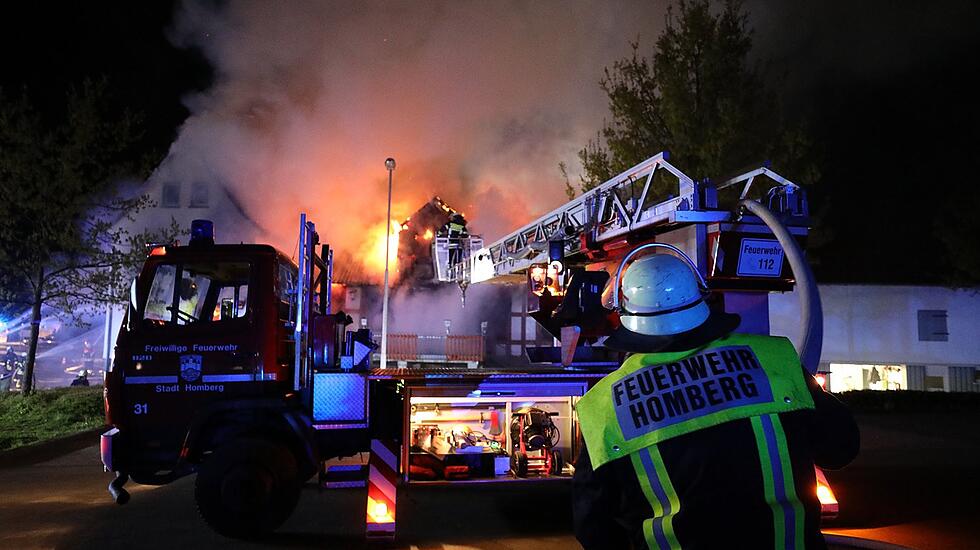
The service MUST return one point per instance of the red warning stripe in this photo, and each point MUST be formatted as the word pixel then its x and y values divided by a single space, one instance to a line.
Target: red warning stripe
pixel 382 489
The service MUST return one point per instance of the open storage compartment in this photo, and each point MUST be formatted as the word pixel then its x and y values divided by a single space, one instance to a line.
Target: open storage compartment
pixel 496 432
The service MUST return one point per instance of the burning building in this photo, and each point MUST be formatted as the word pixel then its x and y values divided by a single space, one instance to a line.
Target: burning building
pixel 415 259
pixel 429 322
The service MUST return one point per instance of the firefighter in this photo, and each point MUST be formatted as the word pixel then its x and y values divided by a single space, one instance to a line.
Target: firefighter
pixel 703 438
pixel 7 369
pixel 87 355
pixel 456 230
pixel 81 379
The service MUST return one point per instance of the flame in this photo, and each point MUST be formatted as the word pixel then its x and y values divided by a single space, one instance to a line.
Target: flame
pixel 374 258
pixel 427 235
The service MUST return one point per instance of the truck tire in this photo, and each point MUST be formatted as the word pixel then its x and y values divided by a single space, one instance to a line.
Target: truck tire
pixel 518 464
pixel 247 488
pixel 557 463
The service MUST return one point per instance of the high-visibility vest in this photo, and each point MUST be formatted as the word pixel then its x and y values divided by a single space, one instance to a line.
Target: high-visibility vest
pixel 655 397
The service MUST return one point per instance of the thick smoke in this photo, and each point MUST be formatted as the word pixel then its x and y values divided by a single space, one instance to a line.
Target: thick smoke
pixel 478 102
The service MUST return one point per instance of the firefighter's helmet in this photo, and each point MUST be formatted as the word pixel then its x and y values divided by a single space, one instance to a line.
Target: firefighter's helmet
pixel 661 296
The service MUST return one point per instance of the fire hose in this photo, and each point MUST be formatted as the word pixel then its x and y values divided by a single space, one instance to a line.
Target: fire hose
pixel 811 340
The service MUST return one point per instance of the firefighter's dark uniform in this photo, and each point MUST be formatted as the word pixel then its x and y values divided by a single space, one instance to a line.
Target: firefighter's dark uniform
pixel 456 232
pixel 708 448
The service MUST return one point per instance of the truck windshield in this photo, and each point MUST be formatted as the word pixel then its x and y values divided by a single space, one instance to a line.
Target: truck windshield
pixel 197 292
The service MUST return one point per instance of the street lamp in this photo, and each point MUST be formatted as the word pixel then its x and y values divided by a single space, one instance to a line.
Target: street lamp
pixel 390 165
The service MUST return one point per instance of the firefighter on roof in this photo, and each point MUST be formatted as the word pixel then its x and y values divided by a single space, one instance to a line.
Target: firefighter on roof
pixel 703 438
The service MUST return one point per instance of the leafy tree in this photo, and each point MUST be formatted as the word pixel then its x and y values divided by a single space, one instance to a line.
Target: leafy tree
pixel 956 230
pixel 62 238
pixel 697 97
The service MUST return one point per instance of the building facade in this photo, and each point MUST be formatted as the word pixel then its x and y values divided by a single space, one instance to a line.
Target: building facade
pixel 184 201
pixel 879 337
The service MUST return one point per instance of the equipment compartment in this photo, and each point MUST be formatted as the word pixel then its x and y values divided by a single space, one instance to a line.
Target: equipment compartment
pixel 498 434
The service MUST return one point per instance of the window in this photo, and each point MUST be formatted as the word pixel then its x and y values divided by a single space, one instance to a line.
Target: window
pixel 935 383
pixel 232 303
pixel 161 295
pixel 192 293
pixel 199 195
pixel 932 325
pixel 287 290
pixel 849 377
pixel 197 292
pixel 170 195
pixel 935 378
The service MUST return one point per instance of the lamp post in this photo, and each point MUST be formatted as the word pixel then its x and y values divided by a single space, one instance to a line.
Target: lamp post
pixel 390 165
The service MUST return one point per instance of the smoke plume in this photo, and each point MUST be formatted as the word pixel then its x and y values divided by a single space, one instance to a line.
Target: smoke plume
pixel 477 102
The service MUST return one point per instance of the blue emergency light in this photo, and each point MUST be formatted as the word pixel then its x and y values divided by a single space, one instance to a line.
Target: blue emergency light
pixel 202 233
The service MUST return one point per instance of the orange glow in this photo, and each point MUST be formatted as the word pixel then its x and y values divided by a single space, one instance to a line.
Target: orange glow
pixel 158 251
pixel 378 512
pixel 544 277
pixel 822 380
pixel 826 494
pixel 427 235
pixel 374 258
pixel 829 508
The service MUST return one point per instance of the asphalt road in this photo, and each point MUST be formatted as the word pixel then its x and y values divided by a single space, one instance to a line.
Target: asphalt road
pixel 915 484
pixel 63 504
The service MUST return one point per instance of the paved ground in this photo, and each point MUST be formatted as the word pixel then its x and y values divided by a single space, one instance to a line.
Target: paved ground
pixel 915 484
pixel 63 504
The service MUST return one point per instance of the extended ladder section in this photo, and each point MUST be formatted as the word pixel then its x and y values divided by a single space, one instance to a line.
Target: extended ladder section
pixel 650 198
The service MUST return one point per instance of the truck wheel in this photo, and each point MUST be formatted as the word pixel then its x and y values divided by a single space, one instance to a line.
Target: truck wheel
pixel 247 488
pixel 557 463
pixel 518 463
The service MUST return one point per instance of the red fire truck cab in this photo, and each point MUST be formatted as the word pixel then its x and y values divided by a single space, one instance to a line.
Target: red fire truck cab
pixel 204 381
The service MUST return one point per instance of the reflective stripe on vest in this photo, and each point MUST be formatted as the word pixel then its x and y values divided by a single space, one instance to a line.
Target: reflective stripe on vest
pixel 657 396
pixel 777 481
pixel 655 483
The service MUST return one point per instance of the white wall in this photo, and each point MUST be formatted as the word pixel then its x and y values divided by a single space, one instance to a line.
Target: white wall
pixel 231 225
pixel 879 324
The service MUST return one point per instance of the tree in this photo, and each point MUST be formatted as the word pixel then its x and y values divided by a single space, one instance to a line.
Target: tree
pixel 699 98
pixel 62 241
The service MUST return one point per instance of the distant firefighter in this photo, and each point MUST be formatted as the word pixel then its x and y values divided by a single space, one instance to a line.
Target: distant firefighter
pixel 81 379
pixel 456 231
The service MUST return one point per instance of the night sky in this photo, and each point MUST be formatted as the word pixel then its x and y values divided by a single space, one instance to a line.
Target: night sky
pixel 887 91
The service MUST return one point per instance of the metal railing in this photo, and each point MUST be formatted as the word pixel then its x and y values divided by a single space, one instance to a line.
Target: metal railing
pixel 615 209
pixel 425 348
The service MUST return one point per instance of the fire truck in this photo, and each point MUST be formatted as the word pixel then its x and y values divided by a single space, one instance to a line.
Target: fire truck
pixel 232 364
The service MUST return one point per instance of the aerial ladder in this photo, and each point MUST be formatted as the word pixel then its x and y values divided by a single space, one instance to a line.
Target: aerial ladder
pixel 743 247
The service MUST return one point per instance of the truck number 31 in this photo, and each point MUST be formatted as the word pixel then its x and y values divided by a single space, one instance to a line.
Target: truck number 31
pixel 141 408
